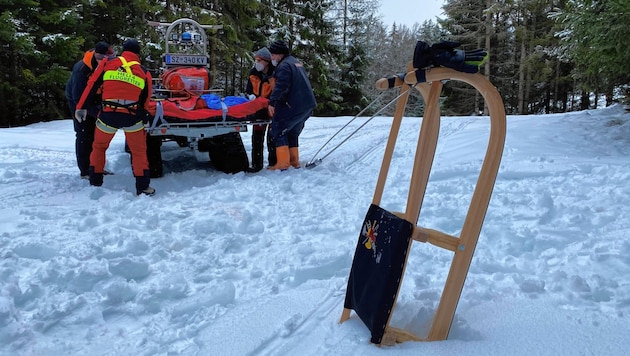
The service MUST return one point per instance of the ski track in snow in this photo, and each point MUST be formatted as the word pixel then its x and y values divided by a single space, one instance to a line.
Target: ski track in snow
pixel 97 266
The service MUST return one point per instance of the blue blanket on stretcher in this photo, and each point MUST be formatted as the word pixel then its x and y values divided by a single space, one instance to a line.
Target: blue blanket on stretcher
pixel 214 101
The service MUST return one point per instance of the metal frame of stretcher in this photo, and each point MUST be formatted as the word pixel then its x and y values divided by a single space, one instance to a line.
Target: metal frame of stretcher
pixel 197 129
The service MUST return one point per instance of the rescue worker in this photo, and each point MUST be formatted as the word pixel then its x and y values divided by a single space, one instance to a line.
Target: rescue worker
pixel 126 89
pixel 84 131
pixel 260 83
pixel 291 103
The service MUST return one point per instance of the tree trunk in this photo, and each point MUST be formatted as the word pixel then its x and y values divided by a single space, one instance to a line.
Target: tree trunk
pixel 489 30
pixel 609 96
pixel 521 80
pixel 556 79
pixel 585 101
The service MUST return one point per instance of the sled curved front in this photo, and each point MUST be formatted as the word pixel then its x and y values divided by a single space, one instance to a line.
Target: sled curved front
pixel 463 246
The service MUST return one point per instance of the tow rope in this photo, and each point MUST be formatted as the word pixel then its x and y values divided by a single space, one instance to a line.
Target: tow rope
pixel 314 162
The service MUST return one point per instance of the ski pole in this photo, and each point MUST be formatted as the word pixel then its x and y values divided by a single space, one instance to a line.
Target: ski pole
pixel 313 162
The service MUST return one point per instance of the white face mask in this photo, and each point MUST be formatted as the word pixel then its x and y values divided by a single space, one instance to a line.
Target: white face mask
pixel 274 62
pixel 259 66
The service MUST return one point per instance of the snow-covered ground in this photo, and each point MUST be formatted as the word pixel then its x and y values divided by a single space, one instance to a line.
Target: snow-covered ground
pixel 257 264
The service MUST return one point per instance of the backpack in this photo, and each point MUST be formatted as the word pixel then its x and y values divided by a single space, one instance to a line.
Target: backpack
pixel 186 80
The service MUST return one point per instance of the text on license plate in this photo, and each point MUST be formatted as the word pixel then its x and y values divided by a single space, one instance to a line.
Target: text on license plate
pixel 186 59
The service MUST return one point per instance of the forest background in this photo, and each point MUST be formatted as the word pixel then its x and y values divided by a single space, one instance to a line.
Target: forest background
pixel 545 55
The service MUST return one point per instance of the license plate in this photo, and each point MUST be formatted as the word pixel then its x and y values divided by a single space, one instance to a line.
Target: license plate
pixel 186 59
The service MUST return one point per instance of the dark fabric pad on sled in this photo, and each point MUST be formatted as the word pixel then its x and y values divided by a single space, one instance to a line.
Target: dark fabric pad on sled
pixel 377 268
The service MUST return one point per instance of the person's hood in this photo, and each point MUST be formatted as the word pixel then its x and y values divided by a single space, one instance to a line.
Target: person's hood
pixel 89 60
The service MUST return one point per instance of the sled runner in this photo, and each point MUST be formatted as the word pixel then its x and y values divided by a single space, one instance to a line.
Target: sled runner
pixel 385 238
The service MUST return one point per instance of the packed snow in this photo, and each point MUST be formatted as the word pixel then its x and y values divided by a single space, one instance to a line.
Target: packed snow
pixel 257 263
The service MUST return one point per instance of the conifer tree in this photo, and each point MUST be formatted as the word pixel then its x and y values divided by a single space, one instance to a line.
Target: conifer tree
pixel 34 47
pixel 597 37
pixel 467 22
pixel 357 18
pixel 234 52
pixel 311 34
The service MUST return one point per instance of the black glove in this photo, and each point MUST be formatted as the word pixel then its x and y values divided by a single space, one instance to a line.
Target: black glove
pixel 422 55
pixel 144 115
pixel 444 54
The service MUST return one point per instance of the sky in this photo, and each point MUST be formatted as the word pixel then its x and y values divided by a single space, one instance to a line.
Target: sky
pixel 258 263
pixel 409 12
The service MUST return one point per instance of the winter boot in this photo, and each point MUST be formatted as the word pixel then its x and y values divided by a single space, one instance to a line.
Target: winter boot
pixel 294 157
pixel 282 154
pixel 149 191
pixel 258 142
pixel 96 179
pixel 271 150
pixel 142 184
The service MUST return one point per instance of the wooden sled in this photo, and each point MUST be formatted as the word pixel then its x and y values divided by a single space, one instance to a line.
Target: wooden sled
pixel 429 83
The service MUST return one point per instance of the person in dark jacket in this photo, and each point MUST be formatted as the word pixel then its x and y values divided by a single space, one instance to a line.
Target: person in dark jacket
pixel 126 89
pixel 84 131
pixel 291 103
pixel 260 83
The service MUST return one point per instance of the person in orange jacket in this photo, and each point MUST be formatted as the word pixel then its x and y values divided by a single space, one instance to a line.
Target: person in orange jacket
pixel 260 83
pixel 126 89
pixel 84 131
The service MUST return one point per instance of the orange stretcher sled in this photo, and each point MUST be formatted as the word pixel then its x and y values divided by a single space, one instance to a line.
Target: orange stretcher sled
pixel 193 108
pixel 191 117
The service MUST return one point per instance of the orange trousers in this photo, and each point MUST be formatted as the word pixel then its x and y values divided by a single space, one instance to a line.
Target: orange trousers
pixel 137 142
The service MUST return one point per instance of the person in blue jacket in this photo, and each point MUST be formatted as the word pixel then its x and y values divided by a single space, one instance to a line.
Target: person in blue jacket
pixel 291 103
pixel 84 131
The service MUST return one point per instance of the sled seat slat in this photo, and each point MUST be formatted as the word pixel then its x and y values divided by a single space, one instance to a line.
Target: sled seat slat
pixel 434 237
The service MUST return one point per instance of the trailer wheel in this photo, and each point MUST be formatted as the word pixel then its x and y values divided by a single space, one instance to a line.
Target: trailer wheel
pixel 182 141
pixel 227 153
